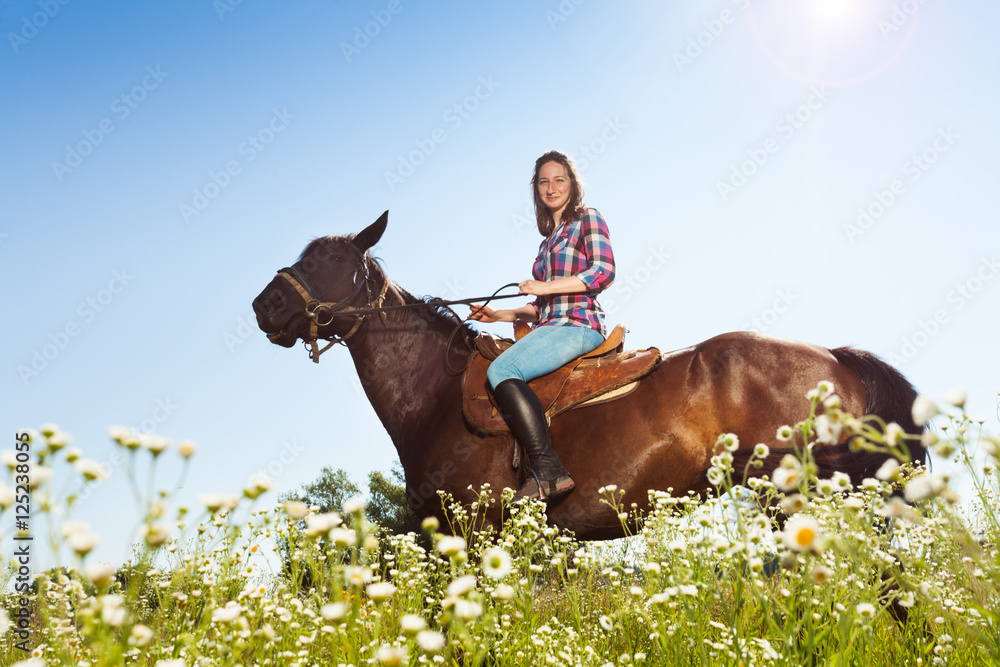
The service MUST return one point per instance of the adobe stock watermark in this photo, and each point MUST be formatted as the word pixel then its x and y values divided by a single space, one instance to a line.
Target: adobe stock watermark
pixel 121 108
pixel 364 34
pixel 290 452
pixel 957 299
pixel 562 12
pixel 759 154
pixel 86 312
pixel 455 116
pixel 783 301
pixel 223 7
pixel 700 42
pixel 248 149
pixel 913 168
pixel 628 284
pixel 901 14
pixel 245 327
pixel 31 25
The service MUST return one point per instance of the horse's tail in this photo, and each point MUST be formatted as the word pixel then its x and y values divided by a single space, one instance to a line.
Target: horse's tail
pixel 890 396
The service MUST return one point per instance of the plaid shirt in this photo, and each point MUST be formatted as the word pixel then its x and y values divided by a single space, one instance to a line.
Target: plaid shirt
pixel 579 247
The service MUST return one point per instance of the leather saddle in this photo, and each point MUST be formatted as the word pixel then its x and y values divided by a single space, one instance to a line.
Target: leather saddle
pixel 604 374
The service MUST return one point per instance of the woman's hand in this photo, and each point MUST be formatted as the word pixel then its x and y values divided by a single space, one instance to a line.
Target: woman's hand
pixel 486 314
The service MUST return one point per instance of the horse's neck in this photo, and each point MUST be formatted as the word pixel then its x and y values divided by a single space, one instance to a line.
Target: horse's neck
pixel 401 365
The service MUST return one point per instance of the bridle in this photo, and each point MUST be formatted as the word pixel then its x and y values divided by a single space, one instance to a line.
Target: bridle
pixel 322 313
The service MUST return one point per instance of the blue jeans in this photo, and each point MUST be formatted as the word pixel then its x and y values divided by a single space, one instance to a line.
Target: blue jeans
pixel 541 351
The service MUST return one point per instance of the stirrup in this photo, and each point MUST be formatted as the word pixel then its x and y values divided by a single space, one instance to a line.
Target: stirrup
pixel 545 490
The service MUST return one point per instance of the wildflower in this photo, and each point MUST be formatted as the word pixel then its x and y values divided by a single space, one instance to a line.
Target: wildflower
pixel 73 454
pixel 295 509
pixel 411 624
pixel 715 476
pixel 381 591
pixel 801 533
pixel 991 446
pixel 357 575
pixel 730 441
pixel 58 440
pixel 955 397
pixel 112 610
pixel 925 486
pixel 497 563
pixel 825 487
pixel 894 434
pixel 827 430
pixel 866 611
pixel 176 662
pixel 451 545
pixel 214 502
pixel 784 433
pixel 462 585
pixel 30 662
pixel 83 543
pixel 430 524
pixel 68 528
pixel 334 611
pixel 354 505
pixel 4 622
pixel 91 470
pixel 187 448
pixel 606 623
pixel 502 592
pixel 430 641
pixel 820 575
pixel 888 471
pixel 319 524
pixel 467 610
pixel 7 496
pixel 156 534
pixel 154 443
pixel 226 614
pixel 258 484
pixel 922 410
pixel 343 537
pixel 688 589
pixel 761 450
pixel 854 503
pixel 896 507
pixel 38 475
pixel 787 479
pixel 141 635
pixel 391 656
pixel 756 564
pixel 824 388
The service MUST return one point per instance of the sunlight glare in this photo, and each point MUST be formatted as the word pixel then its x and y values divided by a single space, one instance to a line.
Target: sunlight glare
pixel 834 11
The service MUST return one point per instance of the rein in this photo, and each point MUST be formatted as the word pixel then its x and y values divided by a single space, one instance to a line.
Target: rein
pixel 318 310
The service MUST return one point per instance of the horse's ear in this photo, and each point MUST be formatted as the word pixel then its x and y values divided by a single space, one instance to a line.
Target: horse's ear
pixel 370 235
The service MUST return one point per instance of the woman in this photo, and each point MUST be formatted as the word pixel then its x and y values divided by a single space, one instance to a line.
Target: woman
pixel 574 264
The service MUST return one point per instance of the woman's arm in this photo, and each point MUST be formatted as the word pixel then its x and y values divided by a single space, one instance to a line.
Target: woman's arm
pixel 486 314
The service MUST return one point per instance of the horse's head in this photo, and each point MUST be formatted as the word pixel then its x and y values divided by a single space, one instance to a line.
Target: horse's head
pixel 313 297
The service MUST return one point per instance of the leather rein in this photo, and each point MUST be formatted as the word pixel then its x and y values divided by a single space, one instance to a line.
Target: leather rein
pixel 322 313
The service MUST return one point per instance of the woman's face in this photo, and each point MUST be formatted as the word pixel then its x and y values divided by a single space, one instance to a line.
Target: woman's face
pixel 554 186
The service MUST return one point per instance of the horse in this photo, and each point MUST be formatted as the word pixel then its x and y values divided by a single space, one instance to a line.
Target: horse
pixel 409 354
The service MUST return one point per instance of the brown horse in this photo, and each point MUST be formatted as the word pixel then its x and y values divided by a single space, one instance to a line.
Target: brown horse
pixel 660 436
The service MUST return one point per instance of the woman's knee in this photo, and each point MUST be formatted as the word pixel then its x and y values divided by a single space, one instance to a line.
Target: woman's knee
pixel 498 372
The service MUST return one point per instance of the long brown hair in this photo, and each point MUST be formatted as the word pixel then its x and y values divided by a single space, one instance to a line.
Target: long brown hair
pixel 543 215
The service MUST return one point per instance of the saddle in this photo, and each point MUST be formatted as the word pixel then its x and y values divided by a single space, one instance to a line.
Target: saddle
pixel 604 374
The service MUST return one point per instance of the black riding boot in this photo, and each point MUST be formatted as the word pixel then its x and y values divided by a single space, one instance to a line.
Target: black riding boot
pixel 524 414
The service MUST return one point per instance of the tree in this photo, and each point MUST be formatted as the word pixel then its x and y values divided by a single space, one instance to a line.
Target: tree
pixel 387 504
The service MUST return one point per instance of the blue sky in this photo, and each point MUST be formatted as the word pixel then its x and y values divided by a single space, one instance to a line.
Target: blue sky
pixel 821 170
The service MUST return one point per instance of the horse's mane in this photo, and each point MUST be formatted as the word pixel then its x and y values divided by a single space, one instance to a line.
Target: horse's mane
pixel 442 314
